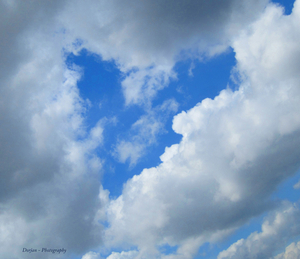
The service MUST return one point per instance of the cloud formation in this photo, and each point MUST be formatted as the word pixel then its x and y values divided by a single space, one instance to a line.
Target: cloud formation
pixel 235 151
pixel 147 38
pixel 144 132
pixel 277 229
pixel 49 178
pixel 292 251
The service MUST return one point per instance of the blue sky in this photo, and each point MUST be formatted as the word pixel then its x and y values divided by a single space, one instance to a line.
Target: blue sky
pixel 166 129
pixel 101 85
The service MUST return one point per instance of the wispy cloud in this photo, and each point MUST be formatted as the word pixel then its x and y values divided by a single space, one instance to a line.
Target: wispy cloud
pixel 144 132
pixel 291 251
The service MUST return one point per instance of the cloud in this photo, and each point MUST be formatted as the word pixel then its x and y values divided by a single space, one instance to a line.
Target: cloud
pixel 91 255
pixel 43 165
pixel 19 18
pixel 297 186
pixel 144 132
pixel 291 252
pixel 277 229
pixel 49 169
pixel 147 38
pixel 140 87
pixel 123 255
pixel 235 151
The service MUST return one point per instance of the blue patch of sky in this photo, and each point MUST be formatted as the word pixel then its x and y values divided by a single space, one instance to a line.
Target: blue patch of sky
pixel 167 249
pixel 287 4
pixel 285 190
pixel 101 84
pixel 207 80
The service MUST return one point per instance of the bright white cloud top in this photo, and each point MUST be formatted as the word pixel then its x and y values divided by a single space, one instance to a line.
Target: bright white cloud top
pixel 236 151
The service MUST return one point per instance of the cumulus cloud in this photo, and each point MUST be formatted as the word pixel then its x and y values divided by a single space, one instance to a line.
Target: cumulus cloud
pixel 235 150
pixel 277 229
pixel 291 252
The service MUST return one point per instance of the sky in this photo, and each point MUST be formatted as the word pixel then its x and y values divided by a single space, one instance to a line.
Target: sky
pixel 163 129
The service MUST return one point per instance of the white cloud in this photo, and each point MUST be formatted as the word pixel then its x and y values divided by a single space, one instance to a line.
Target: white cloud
pixel 277 229
pixel 123 255
pixel 92 255
pixel 297 185
pixel 141 86
pixel 235 150
pixel 291 252
pixel 129 150
pixel 144 132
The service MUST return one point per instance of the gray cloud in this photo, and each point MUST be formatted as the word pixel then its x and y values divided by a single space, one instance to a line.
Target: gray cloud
pixel 49 180
pixel 150 36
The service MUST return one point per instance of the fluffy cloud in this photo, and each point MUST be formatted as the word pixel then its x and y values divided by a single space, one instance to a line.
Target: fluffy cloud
pixel 146 38
pixel 277 229
pixel 291 252
pixel 235 151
